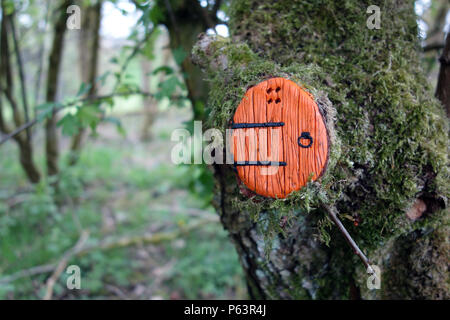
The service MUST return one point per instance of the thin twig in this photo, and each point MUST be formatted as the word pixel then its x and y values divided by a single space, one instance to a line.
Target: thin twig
pixel 332 212
pixel 72 103
pixel 28 273
pixel 133 53
pixel 63 263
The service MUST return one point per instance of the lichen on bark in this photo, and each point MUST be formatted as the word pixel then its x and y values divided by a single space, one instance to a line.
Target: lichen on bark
pixel 389 144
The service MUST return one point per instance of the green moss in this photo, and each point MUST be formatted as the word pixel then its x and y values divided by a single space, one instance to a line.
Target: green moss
pixel 389 132
pixel 414 264
pixel 389 136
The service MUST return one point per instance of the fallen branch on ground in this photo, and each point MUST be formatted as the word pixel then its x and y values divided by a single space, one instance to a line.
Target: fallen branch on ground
pixel 63 263
pixel 111 243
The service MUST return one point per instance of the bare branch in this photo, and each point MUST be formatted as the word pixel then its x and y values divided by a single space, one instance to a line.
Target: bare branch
pixel 63 263
pixel 72 103
pixel 433 46
pixel 332 212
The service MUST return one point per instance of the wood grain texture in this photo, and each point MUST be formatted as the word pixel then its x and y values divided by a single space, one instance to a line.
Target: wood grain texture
pixel 279 100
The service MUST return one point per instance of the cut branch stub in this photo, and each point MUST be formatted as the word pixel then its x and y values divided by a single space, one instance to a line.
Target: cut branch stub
pixel 280 140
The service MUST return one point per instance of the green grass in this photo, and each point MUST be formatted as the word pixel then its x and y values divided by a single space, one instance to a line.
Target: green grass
pixel 115 191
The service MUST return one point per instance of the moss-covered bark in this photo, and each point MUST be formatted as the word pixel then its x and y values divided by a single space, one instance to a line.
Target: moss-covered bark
pixel 389 150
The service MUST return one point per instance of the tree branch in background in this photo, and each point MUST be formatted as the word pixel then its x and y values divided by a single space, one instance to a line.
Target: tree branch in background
pixel 151 104
pixel 443 85
pixel 61 106
pixel 37 87
pixel 51 134
pixel 6 88
pixel 133 53
pixel 88 47
pixel 433 46
pixel 7 83
pixel 185 21
pixel 21 73
pixel 436 23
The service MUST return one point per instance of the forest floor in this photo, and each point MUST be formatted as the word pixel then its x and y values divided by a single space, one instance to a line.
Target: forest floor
pixel 151 231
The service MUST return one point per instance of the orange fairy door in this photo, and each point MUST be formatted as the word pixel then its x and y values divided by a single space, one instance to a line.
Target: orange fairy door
pixel 279 138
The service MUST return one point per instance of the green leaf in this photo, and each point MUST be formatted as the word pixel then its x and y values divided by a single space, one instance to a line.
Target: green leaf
pixel 46 105
pixel 89 116
pixel 46 110
pixel 168 87
pixel 149 48
pixel 179 54
pixel 109 101
pixel 9 7
pixel 166 69
pixel 128 87
pixel 84 88
pixel 156 15
pixel 69 124
pixel 102 79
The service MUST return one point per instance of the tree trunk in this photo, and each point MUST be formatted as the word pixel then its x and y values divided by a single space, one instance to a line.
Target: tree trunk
pixel 7 88
pixel 150 104
pixel 51 134
pixel 185 20
pixel 435 20
pixel 443 85
pixel 89 43
pixel 387 170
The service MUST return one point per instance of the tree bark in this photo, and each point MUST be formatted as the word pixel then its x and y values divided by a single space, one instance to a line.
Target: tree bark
pixel 89 43
pixel 42 49
pixel 443 85
pixel 435 20
pixel 7 88
pixel 150 104
pixel 54 64
pixel 185 20
pixel 387 170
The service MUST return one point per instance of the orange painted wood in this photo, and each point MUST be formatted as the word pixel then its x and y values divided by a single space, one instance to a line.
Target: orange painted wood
pixel 273 101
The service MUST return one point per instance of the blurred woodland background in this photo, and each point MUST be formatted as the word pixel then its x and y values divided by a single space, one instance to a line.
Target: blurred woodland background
pixel 86 117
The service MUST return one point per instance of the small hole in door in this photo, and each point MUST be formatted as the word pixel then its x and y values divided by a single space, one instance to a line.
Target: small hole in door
pixel 277 89
pixel 278 100
pixel 270 101
pixel 269 90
